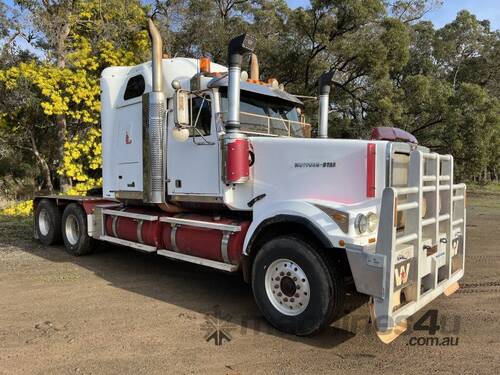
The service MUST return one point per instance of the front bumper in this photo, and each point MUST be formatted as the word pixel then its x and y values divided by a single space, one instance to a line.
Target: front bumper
pixel 409 267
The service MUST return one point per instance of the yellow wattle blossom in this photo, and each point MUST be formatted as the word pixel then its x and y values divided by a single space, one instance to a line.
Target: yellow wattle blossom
pixel 23 208
pixel 75 92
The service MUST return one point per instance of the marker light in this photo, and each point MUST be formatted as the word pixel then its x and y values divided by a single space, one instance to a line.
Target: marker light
pixel 205 65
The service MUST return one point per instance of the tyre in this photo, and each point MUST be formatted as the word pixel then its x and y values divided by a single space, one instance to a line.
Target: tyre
pixel 295 287
pixel 74 231
pixel 48 222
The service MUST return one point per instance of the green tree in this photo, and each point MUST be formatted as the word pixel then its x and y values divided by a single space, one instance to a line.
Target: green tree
pixel 87 37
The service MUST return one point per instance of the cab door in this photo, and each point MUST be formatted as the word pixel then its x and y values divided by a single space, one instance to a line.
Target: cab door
pixel 193 166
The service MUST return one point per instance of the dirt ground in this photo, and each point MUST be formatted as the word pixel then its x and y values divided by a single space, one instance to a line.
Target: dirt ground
pixel 121 311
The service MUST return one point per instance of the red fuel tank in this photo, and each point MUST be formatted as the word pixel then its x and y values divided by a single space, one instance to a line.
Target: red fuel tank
pixel 137 230
pixel 214 244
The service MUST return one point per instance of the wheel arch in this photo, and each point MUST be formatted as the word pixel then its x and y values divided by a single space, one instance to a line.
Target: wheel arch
pixel 281 224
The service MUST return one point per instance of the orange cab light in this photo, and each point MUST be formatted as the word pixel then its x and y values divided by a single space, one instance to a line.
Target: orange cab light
pixel 205 65
pixel 342 243
pixel 371 240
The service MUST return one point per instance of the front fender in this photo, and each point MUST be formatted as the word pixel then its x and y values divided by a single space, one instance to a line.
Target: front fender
pixel 302 212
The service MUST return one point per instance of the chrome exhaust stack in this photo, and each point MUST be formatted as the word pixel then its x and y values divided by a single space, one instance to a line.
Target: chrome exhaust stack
pixel 237 48
pixel 324 83
pixel 154 126
pixel 236 169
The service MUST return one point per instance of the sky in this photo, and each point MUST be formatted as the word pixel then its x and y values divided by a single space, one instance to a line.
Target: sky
pixel 483 9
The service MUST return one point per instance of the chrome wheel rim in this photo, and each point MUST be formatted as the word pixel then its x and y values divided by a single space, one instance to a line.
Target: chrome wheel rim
pixel 72 229
pixel 287 287
pixel 44 222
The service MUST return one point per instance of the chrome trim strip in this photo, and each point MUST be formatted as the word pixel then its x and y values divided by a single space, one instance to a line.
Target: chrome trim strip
pixel 131 215
pixel 197 260
pixel 138 246
pixel 195 198
pixel 201 224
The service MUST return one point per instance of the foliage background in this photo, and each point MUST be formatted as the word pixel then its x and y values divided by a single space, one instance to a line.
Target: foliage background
pixel 390 67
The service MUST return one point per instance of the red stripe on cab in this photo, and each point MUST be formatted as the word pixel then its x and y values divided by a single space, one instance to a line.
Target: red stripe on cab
pixel 371 153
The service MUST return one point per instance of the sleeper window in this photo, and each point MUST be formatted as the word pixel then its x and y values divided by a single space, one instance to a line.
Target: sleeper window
pixel 135 87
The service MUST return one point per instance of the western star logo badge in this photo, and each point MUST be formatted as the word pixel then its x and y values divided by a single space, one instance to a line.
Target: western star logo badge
pixel 401 274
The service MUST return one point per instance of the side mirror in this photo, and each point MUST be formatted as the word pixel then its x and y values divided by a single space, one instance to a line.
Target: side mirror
pixel 181 108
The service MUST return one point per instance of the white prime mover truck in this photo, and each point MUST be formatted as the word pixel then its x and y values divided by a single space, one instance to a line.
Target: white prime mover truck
pixel 208 165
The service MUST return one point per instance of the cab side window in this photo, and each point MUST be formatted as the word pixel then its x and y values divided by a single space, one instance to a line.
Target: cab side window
pixel 135 87
pixel 201 115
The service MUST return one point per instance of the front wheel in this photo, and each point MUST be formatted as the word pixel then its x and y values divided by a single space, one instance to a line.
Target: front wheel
pixel 296 288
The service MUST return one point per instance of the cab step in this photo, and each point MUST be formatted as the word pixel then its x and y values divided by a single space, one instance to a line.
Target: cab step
pixel 201 261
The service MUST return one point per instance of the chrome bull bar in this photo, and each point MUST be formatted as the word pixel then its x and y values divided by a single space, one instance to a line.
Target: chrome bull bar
pixel 413 263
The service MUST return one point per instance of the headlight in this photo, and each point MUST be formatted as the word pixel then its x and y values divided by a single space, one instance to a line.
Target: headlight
pixel 361 223
pixel 372 221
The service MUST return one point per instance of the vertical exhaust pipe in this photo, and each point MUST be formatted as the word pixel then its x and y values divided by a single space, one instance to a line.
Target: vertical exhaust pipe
pixel 237 48
pixel 236 146
pixel 154 127
pixel 156 56
pixel 324 83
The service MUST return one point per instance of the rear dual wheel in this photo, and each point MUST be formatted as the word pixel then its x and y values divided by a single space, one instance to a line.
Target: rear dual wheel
pixel 48 222
pixel 296 288
pixel 71 227
pixel 74 231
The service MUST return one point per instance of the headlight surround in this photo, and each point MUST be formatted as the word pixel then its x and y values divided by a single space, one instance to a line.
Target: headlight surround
pixel 361 223
pixel 372 219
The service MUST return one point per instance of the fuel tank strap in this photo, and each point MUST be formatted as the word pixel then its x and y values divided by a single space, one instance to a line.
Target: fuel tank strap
pixel 224 245
pixel 139 231
pixel 173 234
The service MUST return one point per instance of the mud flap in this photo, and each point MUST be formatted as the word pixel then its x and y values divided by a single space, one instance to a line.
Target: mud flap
pixel 391 334
pixel 451 289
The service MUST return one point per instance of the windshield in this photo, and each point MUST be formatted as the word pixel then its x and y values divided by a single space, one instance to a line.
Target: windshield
pixel 264 115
